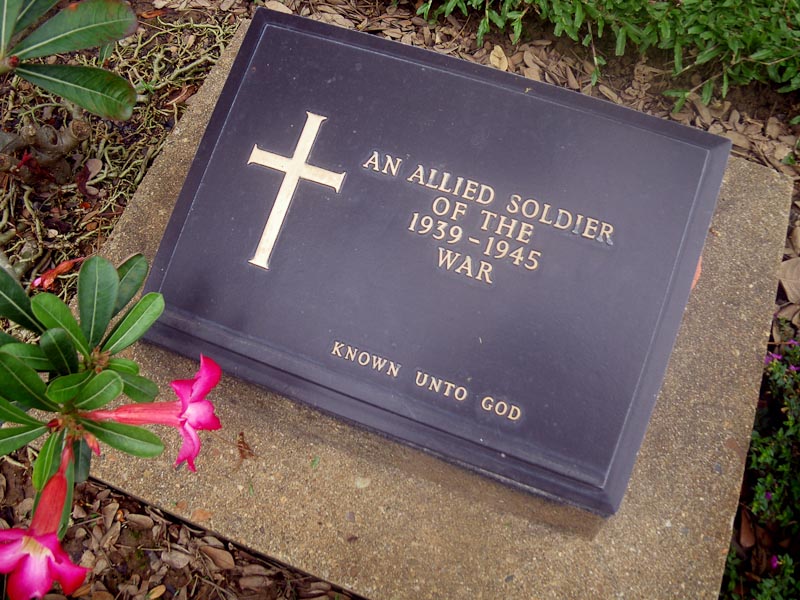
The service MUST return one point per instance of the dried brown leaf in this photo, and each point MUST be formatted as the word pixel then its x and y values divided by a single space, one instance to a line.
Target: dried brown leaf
pixel 789 275
pixel 787 311
pixel 571 81
pixel 220 557
pixel 738 139
pixel 109 513
pixel 257 569
pixel 156 592
pixel 111 536
pixel 609 93
pixel 794 239
pixel 254 582
pixel 747 537
pixel 175 558
pixel 773 128
pixel 139 522
pixel 498 58
pixel 533 72
pixel 702 110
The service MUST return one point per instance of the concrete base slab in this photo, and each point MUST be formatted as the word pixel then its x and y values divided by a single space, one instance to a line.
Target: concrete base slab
pixel 390 522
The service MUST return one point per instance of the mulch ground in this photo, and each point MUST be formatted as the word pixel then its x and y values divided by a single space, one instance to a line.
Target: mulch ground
pixel 139 552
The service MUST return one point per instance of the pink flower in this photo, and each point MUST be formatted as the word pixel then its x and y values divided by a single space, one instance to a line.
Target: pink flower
pixel 34 557
pixel 190 413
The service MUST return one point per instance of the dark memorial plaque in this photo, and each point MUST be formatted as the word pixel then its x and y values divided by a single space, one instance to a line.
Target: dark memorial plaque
pixel 485 267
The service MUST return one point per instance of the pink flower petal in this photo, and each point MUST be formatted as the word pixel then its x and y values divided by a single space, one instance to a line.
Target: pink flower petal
pixel 10 549
pixel 200 415
pixel 68 574
pixel 189 449
pixel 183 390
pixel 206 378
pixel 31 578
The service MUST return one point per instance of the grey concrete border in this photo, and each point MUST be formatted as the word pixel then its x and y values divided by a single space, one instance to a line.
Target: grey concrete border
pixel 390 522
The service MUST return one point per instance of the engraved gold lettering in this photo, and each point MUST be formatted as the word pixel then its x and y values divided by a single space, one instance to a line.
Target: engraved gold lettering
pixel 545 212
pixel 565 224
pixel 441 206
pixel 487 217
pixel 440 386
pixel 443 185
pixel 484 272
pixel 501 408
pixel 459 210
pixel 525 231
pixel 441 181
pixel 486 195
pixel 470 189
pixel 506 226
pixel 578 222
pixel 590 229
pixel 606 231
pixel 448 259
pixel 365 359
pixel 373 162
pixel 392 165
pixel 431 183
pixel 418 175
pixel 533 260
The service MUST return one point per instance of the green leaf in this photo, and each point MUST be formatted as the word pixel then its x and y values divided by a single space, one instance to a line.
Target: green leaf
pixel 9 10
pixel 101 390
pixel 30 354
pixel 132 274
pixel 66 512
pixel 46 464
pixel 65 388
pixel 762 54
pixel 622 37
pixel 7 339
pixel 678 54
pixel 52 312
pixel 12 438
pixel 483 29
pixel 83 460
pixel 578 15
pixel 708 90
pixel 707 54
pixel 9 412
pixel 681 95
pixel 135 323
pixel 57 345
pixel 80 25
pixel 19 383
pixel 15 304
pixel 139 389
pixel 123 365
pixel 104 53
pixel 103 93
pixel 31 11
pixel 98 284
pixel 127 438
